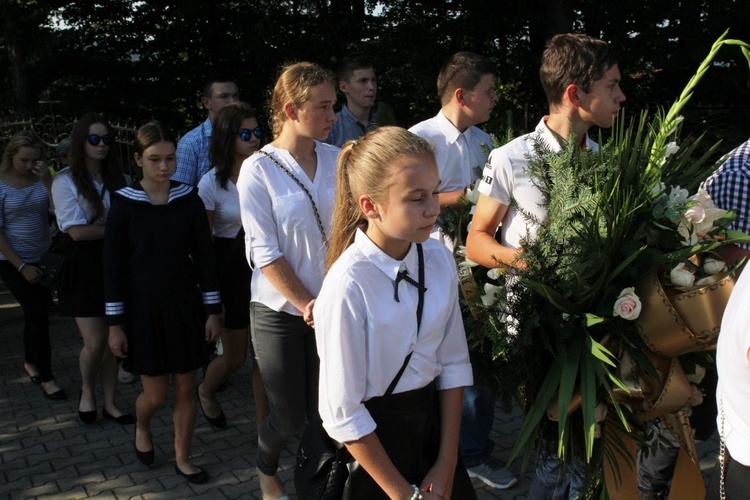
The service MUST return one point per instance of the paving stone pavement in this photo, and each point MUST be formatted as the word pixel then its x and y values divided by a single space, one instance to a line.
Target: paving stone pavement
pixel 46 452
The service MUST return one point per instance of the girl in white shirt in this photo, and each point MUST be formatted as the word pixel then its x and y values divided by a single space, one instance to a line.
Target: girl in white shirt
pixel 236 135
pixel 286 201
pixel 405 445
pixel 81 196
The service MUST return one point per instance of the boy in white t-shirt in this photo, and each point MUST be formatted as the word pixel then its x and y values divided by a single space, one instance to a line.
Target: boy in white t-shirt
pixel 581 79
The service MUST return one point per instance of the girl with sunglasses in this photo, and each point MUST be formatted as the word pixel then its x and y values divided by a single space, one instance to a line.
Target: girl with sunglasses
pixel 24 235
pixel 81 196
pixel 236 135
pixel 286 200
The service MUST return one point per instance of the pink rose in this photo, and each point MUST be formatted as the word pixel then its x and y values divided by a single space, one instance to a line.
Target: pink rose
pixel 628 305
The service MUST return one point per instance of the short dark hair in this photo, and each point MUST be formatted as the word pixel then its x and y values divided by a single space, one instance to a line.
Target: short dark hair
pixel 208 83
pixel 574 58
pixel 462 70
pixel 351 64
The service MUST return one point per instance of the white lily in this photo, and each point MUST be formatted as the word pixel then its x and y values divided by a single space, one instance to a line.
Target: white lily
pixel 495 273
pixel 491 294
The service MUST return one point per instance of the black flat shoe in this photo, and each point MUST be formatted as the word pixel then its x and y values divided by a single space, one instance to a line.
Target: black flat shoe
pixel 87 417
pixel 124 419
pixel 144 457
pixel 200 477
pixel 58 395
pixel 219 422
pixel 35 379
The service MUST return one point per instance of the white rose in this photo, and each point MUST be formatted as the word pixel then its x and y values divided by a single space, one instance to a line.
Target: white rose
pixel 711 215
pixel 703 198
pixel 680 276
pixel 695 214
pixel 712 265
pixel 627 305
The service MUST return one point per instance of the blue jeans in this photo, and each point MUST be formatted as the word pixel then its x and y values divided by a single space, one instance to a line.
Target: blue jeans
pixel 554 480
pixel 474 442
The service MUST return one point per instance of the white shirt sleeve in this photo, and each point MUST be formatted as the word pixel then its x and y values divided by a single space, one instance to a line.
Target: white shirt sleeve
pixel 207 190
pixel 256 210
pixel 453 353
pixel 342 348
pixel 68 209
pixel 497 177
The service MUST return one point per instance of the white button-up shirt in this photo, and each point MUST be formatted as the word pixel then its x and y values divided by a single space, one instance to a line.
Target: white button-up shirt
pixel 278 219
pixel 363 334
pixel 460 156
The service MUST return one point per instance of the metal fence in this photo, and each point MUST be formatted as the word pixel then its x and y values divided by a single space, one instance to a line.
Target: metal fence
pixel 51 129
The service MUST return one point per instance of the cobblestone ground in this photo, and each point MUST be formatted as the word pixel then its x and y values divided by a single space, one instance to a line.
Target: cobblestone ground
pixel 46 452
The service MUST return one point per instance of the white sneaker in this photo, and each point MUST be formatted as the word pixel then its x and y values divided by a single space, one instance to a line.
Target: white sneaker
pixel 125 377
pixel 493 474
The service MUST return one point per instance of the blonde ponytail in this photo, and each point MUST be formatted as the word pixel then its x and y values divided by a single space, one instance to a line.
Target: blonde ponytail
pixel 367 166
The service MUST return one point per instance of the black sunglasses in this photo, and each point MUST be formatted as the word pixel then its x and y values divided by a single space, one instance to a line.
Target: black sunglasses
pixel 95 139
pixel 246 134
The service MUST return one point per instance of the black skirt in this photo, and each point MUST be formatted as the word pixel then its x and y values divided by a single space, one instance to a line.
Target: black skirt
pixel 234 281
pixel 408 426
pixel 82 294
pixel 166 337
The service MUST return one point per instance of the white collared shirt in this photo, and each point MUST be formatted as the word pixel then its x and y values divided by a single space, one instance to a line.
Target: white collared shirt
pixel 225 203
pixel 363 334
pixel 505 178
pixel 278 219
pixel 71 208
pixel 460 156
pixel 733 389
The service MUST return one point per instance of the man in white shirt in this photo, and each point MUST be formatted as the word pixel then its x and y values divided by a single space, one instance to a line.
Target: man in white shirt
pixel 581 79
pixel 466 86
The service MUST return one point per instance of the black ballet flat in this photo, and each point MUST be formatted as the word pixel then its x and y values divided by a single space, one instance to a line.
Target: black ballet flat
pixel 144 457
pixel 35 379
pixel 87 417
pixel 124 419
pixel 58 395
pixel 200 477
pixel 219 422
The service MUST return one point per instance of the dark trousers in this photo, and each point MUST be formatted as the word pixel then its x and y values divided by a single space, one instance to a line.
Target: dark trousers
pixel 736 480
pixel 34 300
pixel 287 357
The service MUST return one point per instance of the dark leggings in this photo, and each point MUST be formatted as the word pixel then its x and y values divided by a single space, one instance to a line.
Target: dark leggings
pixel 736 480
pixel 288 361
pixel 34 300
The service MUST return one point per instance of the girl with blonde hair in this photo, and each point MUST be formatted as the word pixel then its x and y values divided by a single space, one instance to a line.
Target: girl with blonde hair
pixel 388 314
pixel 286 200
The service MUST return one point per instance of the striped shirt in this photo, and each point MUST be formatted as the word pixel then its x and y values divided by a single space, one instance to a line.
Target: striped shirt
pixel 24 220
pixel 729 187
